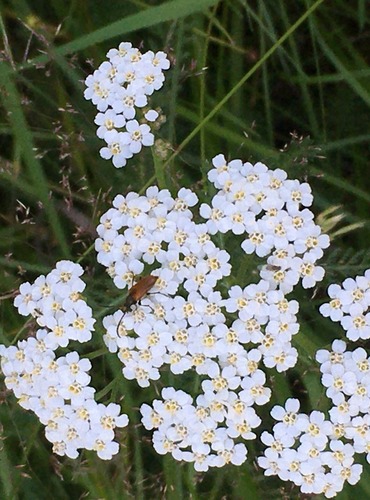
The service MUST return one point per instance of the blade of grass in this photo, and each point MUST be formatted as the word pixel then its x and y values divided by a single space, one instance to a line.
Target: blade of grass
pixel 341 184
pixel 298 62
pixel 7 474
pixel 169 11
pixel 227 133
pixel 266 86
pixel 349 76
pixel 202 89
pixel 245 78
pixel 23 141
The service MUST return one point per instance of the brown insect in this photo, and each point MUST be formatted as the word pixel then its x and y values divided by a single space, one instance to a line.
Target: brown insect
pixel 138 291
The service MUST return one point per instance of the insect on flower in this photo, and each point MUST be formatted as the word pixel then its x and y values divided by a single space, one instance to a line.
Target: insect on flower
pixel 138 291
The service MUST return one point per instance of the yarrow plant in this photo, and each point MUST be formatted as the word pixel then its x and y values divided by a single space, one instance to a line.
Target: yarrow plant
pixel 120 88
pixel 188 322
pixel 56 388
pixel 350 305
pixel 316 452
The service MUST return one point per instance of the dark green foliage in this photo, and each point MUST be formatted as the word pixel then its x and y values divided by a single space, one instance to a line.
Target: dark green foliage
pixel 298 98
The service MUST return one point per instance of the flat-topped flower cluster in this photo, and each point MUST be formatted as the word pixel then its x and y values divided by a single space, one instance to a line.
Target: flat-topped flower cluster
pixel 158 229
pixel 56 303
pixel 308 450
pixel 272 211
pixel 315 452
pixel 186 323
pixel 119 88
pixel 350 305
pixel 55 388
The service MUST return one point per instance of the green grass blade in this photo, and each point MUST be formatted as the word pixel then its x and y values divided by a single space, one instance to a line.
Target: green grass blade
pixel 24 142
pixel 169 11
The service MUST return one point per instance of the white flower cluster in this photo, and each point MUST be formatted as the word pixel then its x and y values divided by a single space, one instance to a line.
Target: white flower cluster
pixel 207 432
pixel 346 376
pixel 182 322
pixel 119 88
pixel 56 304
pixel 158 230
pixel 308 450
pixel 55 388
pixel 267 206
pixel 317 454
pixel 350 305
